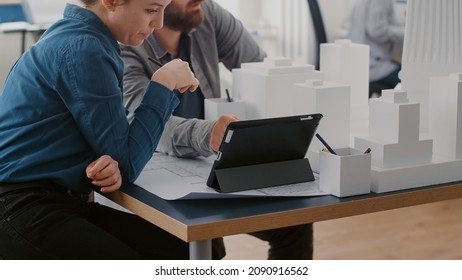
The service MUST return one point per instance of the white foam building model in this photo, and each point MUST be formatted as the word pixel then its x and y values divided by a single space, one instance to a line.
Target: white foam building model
pixel 431 53
pixel 445 116
pixel 400 160
pixel 432 47
pixel 332 101
pixel 348 63
pixel 394 132
pixel 266 86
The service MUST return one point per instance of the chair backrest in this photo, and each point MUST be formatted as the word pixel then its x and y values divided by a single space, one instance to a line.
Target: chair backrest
pixel 319 28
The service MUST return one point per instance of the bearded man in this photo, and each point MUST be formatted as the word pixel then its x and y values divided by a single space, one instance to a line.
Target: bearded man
pixel 204 34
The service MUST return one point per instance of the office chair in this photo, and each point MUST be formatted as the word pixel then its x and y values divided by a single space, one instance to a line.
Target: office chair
pixel 375 89
pixel 319 29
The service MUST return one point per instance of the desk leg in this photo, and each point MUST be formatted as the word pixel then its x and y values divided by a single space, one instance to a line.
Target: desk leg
pixel 200 250
pixel 23 42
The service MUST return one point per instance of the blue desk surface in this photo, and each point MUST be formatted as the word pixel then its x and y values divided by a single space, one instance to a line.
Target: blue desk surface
pixel 196 216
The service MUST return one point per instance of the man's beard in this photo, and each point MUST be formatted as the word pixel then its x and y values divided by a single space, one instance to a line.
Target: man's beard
pixel 181 21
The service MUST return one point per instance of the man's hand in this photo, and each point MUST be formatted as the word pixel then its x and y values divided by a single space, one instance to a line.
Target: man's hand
pixel 219 129
pixel 104 173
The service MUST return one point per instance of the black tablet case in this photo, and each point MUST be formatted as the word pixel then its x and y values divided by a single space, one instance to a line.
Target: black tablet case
pixel 264 153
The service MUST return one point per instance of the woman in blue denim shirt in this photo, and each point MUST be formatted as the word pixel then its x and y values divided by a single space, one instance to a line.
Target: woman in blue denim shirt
pixel 64 132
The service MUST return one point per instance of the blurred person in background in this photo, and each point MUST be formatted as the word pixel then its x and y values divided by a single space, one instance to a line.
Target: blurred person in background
pixel 374 23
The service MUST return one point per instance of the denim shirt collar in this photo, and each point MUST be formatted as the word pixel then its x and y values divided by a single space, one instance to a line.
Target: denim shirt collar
pixel 87 16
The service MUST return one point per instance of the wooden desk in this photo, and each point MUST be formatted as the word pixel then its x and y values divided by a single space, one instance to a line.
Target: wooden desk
pixel 198 221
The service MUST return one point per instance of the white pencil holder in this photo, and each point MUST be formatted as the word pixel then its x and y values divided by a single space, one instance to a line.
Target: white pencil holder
pixel 346 174
pixel 215 107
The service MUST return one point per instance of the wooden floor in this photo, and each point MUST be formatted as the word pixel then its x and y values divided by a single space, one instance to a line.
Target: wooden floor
pixel 431 231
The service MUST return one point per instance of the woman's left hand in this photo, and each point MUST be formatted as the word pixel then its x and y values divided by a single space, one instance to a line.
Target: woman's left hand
pixel 104 173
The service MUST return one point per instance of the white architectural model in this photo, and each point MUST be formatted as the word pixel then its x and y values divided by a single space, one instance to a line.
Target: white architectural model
pixel 399 159
pixel 277 87
pixel 432 47
pixel 394 132
pixel 348 63
pixel 332 101
pixel 266 87
pixel 445 116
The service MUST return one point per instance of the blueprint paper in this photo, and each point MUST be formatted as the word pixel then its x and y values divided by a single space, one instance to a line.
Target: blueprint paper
pixel 174 178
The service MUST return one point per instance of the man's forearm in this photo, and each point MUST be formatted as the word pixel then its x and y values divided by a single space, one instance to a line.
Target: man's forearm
pixel 186 137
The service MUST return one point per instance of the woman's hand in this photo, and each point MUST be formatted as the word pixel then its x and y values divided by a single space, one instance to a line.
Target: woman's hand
pixel 176 75
pixel 104 173
pixel 219 129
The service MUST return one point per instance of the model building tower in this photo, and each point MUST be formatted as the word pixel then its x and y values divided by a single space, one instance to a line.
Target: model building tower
pixel 266 87
pixel 432 47
pixel 348 63
pixel 394 132
pixel 332 101
pixel 445 116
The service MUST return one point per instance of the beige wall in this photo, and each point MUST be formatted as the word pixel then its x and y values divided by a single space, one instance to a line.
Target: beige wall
pixel 295 36
pixel 9 1
pixel 10 51
pixel 9 48
pixel 251 12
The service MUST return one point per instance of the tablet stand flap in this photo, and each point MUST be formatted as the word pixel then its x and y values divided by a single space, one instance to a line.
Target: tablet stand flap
pixel 264 175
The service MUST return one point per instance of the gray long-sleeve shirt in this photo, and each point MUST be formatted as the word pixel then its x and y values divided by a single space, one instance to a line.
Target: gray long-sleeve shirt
pixel 373 22
pixel 220 38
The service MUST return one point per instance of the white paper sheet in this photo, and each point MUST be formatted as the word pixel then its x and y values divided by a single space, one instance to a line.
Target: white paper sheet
pixel 173 178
